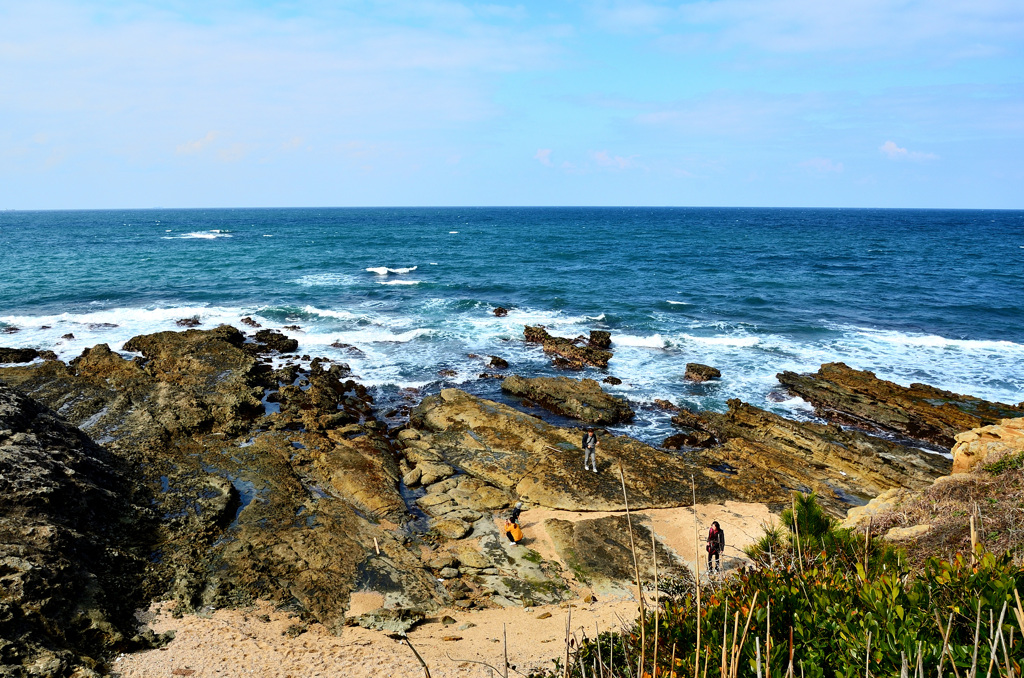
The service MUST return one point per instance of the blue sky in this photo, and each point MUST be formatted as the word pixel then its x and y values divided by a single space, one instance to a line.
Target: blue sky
pixel 862 103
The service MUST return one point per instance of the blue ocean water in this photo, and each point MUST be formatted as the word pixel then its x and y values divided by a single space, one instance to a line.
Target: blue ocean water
pixel 934 296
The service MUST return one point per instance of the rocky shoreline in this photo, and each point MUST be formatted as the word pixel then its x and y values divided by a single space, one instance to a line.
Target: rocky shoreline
pixel 214 469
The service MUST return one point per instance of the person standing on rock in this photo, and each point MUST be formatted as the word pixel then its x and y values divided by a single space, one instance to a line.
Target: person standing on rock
pixel 716 544
pixel 590 444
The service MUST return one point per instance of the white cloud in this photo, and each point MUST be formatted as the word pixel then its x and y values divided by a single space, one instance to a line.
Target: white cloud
pixel 193 147
pixel 543 155
pixel 894 152
pixel 823 165
pixel 606 160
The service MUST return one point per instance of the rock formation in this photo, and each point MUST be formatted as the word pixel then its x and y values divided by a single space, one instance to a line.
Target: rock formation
pixel 17 355
pixel 859 398
pixel 988 445
pixel 568 354
pixel 73 546
pixel 543 464
pixel 701 373
pixel 578 399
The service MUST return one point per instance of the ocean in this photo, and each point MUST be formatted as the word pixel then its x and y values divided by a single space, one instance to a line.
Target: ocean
pixel 932 296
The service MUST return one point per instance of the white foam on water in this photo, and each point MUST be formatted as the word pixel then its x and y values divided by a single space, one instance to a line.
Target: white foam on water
pixel 677 303
pixel 200 235
pixel 328 313
pixel 723 340
pixel 653 341
pixel 452 232
pixel 935 341
pixel 398 282
pixel 384 270
pixel 597 318
pixel 325 280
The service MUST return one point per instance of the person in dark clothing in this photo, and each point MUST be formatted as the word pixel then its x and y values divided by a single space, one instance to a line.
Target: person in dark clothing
pixel 514 517
pixel 589 445
pixel 716 544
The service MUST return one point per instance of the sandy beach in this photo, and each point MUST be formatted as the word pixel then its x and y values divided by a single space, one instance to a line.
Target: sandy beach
pixel 263 642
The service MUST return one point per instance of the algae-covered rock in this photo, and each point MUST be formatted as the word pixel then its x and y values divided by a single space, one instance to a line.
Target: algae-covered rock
pixel 700 373
pixel 579 399
pixel 572 356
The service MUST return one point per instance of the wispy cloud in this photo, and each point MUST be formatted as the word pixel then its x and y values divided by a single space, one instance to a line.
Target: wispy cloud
pixel 543 156
pixel 894 152
pixel 822 165
pixel 197 145
pixel 617 162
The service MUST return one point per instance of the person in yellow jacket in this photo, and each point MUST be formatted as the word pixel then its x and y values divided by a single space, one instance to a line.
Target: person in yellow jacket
pixel 513 531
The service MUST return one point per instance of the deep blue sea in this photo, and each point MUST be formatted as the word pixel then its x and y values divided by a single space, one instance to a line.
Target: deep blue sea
pixel 933 296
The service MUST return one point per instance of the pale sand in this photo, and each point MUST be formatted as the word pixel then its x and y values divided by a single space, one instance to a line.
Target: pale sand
pixel 238 643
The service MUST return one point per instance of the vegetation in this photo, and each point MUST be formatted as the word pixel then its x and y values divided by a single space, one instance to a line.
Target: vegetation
pixel 829 602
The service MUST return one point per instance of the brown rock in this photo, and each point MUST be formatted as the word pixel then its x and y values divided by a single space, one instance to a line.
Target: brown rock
pixel 856 397
pixel 665 405
pixel 498 363
pixel 501 312
pixel 188 322
pixel 614 381
pixel 250 322
pixel 600 339
pixel 700 373
pixel 571 355
pixel 272 340
pixel 579 399
pixel 988 445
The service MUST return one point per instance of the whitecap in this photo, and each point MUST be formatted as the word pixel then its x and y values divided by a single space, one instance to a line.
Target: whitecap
pixel 452 232
pixel 324 280
pixel 200 235
pixel 936 341
pixel 724 341
pixel 677 303
pixel 327 313
pixel 595 317
pixel 384 270
pixel 653 341
pixel 398 282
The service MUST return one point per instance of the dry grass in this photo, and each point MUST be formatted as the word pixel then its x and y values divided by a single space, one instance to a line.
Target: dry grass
pixel 997 501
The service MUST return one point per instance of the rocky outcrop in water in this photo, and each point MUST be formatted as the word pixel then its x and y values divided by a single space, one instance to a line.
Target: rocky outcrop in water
pixel 988 445
pixel 568 354
pixel 579 399
pixel 700 373
pixel 17 355
pixel 73 547
pixel 859 398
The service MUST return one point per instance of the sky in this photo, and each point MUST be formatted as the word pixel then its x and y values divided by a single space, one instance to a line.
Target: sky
pixel 176 103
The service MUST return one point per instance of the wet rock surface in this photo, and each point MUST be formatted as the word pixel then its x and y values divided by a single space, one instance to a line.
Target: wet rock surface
pixel 18 355
pixel 584 399
pixel 568 354
pixel 701 373
pixel 73 547
pixel 859 398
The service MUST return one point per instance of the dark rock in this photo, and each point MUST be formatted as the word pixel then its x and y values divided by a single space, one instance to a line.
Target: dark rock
pixel 73 545
pixel 18 355
pixel 348 348
pixel 665 405
pixel 188 322
pixel 272 340
pixel 250 322
pixel 489 375
pixel 700 373
pixel 394 622
pixel 102 326
pixel 9 329
pixel 848 396
pixel 599 549
pixel 567 353
pixel 614 381
pixel 686 419
pixel 48 355
pixel 447 372
pixel 600 339
pixel 293 328
pixel 501 311
pixel 498 363
pixel 583 400
pixel 69 335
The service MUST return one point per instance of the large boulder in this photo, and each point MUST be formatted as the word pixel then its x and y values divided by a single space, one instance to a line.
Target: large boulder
pixel 701 373
pixel 542 463
pixel 859 398
pixel 987 445
pixel 17 355
pixel 567 353
pixel 73 546
pixel 578 399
